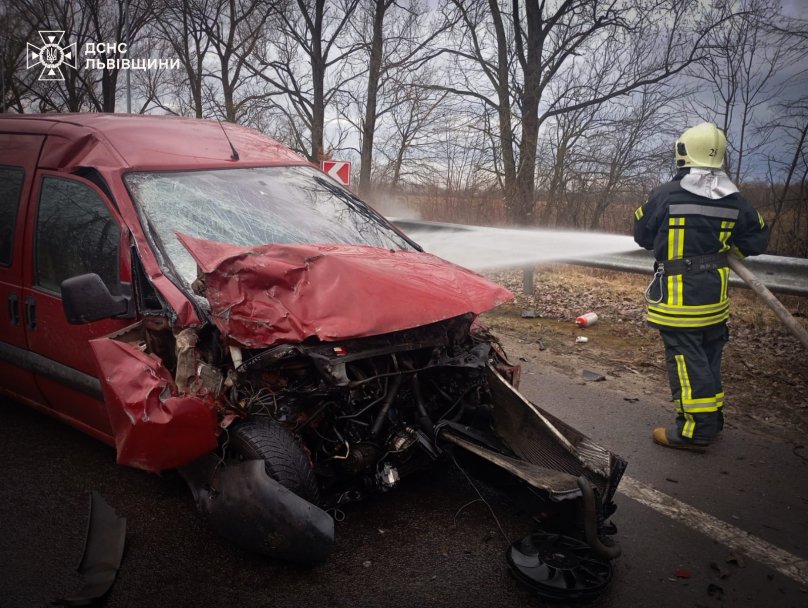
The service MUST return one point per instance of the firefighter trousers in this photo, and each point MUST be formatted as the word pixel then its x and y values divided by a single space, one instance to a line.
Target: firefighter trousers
pixel 694 370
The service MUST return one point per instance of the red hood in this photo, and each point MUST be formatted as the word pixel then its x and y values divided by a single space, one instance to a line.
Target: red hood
pixel 270 294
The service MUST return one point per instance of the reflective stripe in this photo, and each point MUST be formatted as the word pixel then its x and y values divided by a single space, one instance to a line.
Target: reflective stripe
pixel 699 401
pixel 686 395
pixel 676 248
pixel 724 272
pixel 638 214
pixel 706 210
pixel 684 379
pixel 761 222
pixel 676 238
pixel 719 400
pixel 694 322
pixel 702 309
pixel 700 410
pixel 689 427
pixel 672 290
pixel 726 232
pixel 699 406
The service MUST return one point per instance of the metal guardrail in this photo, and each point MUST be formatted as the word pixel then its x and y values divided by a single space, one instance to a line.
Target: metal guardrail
pixel 779 274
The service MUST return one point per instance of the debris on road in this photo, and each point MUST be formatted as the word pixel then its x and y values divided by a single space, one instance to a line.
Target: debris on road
pixel 737 559
pixel 720 571
pixel 682 573
pixel 587 320
pixel 593 376
pixel 715 591
pixel 103 552
pixel 581 340
pixel 531 314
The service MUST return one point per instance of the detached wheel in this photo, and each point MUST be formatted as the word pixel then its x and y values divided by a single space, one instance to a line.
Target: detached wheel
pixel 261 438
pixel 559 568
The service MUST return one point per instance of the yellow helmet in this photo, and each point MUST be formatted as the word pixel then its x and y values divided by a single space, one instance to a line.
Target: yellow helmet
pixel 701 146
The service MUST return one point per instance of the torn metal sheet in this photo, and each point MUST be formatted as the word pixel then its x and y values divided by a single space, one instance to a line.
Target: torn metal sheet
pixel 155 428
pixel 270 294
pixel 558 485
pixel 103 552
pixel 538 437
pixel 246 506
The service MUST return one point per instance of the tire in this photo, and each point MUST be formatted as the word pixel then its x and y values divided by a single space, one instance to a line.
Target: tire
pixel 261 438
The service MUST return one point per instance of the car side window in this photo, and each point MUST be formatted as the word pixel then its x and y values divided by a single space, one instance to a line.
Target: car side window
pixel 11 179
pixel 75 234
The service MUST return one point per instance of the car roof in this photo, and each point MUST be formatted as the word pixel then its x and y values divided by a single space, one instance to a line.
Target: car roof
pixel 137 141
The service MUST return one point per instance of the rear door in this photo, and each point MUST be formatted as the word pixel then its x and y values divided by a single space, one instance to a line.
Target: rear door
pixel 18 159
pixel 73 229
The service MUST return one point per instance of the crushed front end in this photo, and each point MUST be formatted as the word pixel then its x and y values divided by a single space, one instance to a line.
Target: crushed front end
pixel 352 399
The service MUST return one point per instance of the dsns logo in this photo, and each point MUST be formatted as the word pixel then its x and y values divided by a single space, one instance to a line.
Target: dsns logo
pixel 52 55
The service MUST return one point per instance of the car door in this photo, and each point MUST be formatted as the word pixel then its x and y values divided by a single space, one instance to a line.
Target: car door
pixel 18 158
pixel 73 229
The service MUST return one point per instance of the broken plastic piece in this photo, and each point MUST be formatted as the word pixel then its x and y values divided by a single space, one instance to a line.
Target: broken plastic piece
pixel 593 376
pixel 103 551
pixel 245 505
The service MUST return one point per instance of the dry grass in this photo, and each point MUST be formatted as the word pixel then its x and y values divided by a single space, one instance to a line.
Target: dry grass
pixel 765 369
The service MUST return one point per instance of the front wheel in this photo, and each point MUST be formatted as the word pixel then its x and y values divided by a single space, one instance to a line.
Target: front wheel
pixel 261 438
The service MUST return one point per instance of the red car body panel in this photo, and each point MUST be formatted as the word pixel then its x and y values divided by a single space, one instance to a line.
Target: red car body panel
pixel 271 294
pixel 115 145
pixel 259 295
pixel 155 427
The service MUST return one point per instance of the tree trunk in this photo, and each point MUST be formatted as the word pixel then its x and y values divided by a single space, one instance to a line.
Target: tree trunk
pixel 374 72
pixel 524 190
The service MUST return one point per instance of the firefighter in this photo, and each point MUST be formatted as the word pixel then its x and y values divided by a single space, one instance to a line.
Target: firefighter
pixel 692 223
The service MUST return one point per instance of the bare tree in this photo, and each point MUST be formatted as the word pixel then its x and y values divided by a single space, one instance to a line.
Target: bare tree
pixel 309 44
pixel 753 59
pixel 518 51
pixel 396 37
pixel 235 28
pixel 787 168
pixel 181 24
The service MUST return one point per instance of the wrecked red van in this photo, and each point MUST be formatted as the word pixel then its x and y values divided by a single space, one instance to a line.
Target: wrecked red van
pixel 202 298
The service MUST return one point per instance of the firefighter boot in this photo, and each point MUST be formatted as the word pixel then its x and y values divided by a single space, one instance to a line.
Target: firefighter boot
pixel 670 439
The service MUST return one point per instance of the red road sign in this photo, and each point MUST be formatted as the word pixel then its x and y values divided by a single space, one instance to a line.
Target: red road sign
pixel 340 170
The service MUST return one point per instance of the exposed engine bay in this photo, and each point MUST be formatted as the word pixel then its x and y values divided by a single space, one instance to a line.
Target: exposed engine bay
pixel 368 411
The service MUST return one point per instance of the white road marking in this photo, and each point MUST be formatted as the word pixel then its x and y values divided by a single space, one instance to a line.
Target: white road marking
pixel 736 539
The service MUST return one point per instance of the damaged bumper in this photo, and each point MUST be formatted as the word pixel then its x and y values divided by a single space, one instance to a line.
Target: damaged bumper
pixel 246 506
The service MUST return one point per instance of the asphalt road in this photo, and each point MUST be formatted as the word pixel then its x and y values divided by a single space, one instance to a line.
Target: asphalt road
pixel 415 546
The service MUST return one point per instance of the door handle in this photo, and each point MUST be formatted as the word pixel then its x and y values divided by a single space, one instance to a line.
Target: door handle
pixel 30 312
pixel 14 308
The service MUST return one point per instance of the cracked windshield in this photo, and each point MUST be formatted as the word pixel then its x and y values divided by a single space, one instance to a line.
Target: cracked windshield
pixel 254 207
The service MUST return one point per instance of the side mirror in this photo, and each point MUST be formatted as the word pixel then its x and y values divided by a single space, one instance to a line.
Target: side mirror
pixel 85 298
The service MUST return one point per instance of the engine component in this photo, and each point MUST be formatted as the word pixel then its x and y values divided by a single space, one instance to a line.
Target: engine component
pixel 388 476
pixel 558 567
pixel 402 441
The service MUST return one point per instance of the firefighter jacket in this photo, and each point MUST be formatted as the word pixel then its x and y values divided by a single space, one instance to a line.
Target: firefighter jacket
pixel 679 225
